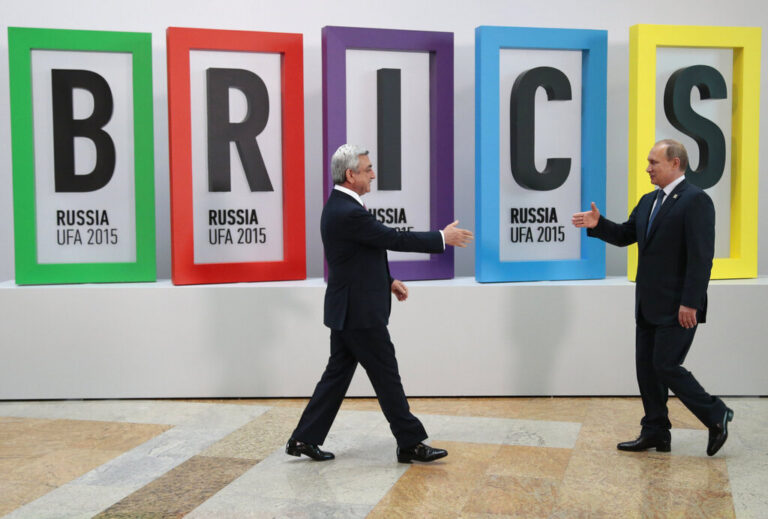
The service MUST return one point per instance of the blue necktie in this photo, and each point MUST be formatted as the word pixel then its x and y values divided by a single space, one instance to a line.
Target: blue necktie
pixel 659 198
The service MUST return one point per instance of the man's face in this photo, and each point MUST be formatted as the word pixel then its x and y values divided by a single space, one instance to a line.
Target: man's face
pixel 661 169
pixel 360 180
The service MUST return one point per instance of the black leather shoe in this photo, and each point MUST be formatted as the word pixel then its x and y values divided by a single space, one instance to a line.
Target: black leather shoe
pixel 719 433
pixel 297 448
pixel 420 452
pixel 643 443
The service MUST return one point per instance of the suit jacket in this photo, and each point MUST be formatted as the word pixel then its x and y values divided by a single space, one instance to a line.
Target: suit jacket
pixel 358 293
pixel 675 259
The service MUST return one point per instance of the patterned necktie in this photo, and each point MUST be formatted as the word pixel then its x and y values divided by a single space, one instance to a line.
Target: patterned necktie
pixel 659 198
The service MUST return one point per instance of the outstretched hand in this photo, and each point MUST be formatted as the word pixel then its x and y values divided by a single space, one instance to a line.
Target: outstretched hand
pixel 455 236
pixel 587 219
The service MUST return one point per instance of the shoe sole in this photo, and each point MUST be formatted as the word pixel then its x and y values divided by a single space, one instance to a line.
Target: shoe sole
pixel 659 448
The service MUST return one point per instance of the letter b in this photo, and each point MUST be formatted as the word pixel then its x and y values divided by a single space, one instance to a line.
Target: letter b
pixel 66 128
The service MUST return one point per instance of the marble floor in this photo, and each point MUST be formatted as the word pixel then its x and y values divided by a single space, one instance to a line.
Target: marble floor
pixel 508 457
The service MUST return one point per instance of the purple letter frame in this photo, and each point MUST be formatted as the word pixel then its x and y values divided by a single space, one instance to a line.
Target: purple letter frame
pixel 336 41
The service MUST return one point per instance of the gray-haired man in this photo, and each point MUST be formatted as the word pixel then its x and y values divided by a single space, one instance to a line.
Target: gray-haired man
pixel 357 307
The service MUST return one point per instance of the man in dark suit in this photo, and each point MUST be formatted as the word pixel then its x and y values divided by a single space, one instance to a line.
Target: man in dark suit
pixel 357 307
pixel 674 228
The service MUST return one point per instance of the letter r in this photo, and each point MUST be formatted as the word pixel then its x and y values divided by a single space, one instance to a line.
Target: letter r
pixel 221 131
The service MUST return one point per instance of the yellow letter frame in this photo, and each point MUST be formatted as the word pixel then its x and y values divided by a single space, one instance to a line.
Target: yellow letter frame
pixel 745 42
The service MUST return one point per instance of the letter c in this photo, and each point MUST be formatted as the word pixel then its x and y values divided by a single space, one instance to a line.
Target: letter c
pixel 521 128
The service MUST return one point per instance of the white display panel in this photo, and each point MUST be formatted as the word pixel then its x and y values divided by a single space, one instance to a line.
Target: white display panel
pixel 409 207
pixel 85 227
pixel 245 240
pixel 550 236
pixel 670 59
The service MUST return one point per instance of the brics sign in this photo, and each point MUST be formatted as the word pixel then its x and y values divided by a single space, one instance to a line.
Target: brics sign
pixel 83 145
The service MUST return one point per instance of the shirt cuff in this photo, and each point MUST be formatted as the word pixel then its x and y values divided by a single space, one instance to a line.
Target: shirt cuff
pixel 443 237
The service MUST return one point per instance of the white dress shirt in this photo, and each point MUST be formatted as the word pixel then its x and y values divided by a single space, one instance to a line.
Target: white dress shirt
pixel 668 189
pixel 349 192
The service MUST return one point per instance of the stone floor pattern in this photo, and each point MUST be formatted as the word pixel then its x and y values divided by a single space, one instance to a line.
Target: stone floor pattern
pixel 508 457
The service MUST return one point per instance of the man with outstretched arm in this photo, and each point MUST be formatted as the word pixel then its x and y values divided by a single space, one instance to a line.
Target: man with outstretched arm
pixel 357 307
pixel 674 228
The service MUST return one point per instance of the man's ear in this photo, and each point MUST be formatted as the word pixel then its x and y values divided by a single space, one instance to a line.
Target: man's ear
pixel 348 176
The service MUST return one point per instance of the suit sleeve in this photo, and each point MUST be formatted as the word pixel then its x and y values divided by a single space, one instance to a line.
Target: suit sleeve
pixel 619 234
pixel 362 227
pixel 700 249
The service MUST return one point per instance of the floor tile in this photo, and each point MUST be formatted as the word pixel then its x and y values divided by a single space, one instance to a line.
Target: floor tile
pixel 669 501
pixel 551 409
pixel 259 437
pixel 627 469
pixel 16 493
pixel 65 433
pixel 39 455
pixel 248 506
pixel 508 457
pixel 614 483
pixel 473 515
pixel 174 412
pixel 530 462
pixel 347 481
pixel 508 431
pixel 60 466
pixel 559 409
pixel 180 490
pixel 12 427
pixel 71 501
pixel 442 488
pixel 605 436
pixel 514 496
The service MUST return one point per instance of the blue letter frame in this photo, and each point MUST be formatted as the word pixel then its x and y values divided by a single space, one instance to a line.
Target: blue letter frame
pixel 488 42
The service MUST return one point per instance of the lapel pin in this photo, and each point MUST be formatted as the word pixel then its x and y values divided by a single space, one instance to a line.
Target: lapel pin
pixel 674 196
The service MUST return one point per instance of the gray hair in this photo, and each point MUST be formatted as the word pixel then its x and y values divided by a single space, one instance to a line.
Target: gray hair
pixel 675 150
pixel 344 158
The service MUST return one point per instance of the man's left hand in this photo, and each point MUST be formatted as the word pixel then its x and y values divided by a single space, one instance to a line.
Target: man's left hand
pixel 686 316
pixel 400 290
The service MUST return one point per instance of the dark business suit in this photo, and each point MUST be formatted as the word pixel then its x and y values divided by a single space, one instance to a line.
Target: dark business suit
pixel 674 264
pixel 357 307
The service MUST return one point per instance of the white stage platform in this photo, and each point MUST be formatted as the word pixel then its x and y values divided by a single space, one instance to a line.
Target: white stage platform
pixel 453 338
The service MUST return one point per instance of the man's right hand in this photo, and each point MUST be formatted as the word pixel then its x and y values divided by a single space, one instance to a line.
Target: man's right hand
pixel 455 236
pixel 587 219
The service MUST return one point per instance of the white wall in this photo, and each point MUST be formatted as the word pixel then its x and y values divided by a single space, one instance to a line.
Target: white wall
pixel 308 18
